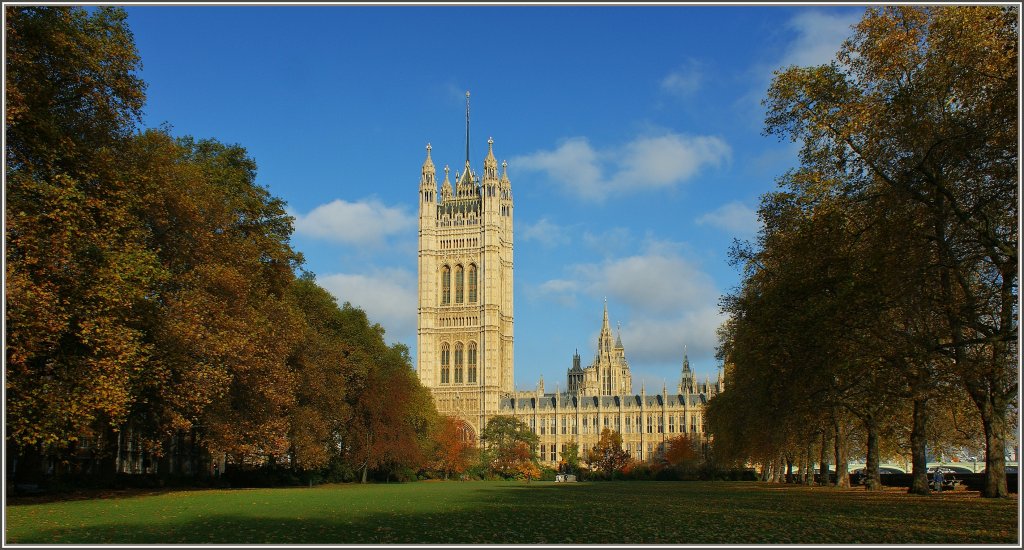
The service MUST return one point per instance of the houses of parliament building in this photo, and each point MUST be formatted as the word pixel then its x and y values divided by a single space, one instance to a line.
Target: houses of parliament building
pixel 465 332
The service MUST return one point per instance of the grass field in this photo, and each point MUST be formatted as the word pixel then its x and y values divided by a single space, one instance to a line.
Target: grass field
pixel 516 513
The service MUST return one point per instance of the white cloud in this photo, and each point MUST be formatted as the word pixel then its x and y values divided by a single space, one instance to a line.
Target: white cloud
pixel 663 300
pixel 666 160
pixel 573 163
pixel 559 285
pixel 548 234
pixel 684 80
pixel 367 223
pixel 649 162
pixel 734 217
pixel 819 36
pixel 653 283
pixel 388 296
pixel 657 340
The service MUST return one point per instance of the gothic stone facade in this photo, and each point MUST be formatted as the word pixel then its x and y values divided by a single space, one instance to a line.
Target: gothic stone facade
pixel 586 407
pixel 464 321
pixel 464 332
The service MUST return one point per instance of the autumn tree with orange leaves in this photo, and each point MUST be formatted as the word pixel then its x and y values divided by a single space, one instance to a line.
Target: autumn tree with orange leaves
pixel 454 448
pixel 151 291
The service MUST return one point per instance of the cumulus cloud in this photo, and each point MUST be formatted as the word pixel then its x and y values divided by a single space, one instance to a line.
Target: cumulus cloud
pixel 648 162
pixel 663 299
pixel 652 283
pixel 388 296
pixel 545 232
pixel 654 340
pixel 366 223
pixel 734 217
pixel 818 37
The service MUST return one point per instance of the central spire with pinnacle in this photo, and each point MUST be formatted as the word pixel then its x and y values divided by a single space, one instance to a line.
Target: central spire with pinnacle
pixel 467 130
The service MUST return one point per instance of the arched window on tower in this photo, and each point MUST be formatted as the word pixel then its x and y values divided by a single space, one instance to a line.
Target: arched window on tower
pixel 458 284
pixel 446 285
pixel 471 362
pixel 472 284
pixel 445 363
pixel 458 363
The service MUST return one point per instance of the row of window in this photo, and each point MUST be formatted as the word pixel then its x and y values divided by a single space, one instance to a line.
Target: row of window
pixel 655 424
pixel 465 280
pixel 469 368
pixel 545 452
pixel 445 221
pixel 448 244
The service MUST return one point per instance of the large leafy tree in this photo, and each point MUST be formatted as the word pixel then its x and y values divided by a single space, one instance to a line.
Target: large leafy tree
pixel 392 414
pixel 922 105
pixel 608 456
pixel 320 414
pixel 79 274
pixel 454 448
pixel 509 447
pixel 150 283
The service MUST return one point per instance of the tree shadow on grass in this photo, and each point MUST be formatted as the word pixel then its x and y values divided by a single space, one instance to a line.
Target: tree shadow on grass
pixel 584 513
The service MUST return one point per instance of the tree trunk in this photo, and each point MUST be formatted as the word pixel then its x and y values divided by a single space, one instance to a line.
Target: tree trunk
pixel 918 439
pixel 823 470
pixel 986 389
pixel 789 470
pixel 842 468
pixel 995 451
pixel 365 468
pixel 808 469
pixel 873 482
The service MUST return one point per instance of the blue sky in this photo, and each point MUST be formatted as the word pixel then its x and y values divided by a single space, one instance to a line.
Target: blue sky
pixel 633 137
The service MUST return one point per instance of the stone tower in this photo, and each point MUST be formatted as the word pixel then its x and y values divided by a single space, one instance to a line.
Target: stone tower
pixel 464 321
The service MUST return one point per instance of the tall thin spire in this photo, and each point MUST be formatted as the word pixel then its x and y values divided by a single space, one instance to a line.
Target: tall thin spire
pixel 467 127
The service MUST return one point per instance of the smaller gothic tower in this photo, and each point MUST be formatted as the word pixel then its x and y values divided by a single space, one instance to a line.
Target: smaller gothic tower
pixel 575 376
pixel 687 385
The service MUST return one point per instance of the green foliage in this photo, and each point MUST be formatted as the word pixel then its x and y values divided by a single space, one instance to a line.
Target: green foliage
pixel 509 448
pixel 571 459
pixel 661 513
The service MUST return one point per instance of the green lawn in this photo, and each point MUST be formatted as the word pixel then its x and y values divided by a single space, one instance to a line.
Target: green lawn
pixel 516 513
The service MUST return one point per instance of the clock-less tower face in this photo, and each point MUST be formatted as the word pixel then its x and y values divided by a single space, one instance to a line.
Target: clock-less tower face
pixel 464 319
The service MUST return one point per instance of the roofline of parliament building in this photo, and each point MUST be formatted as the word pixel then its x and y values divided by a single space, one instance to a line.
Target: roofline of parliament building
pixel 464 337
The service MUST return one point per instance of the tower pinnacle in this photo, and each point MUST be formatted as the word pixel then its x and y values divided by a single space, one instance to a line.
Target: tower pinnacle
pixel 467 128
